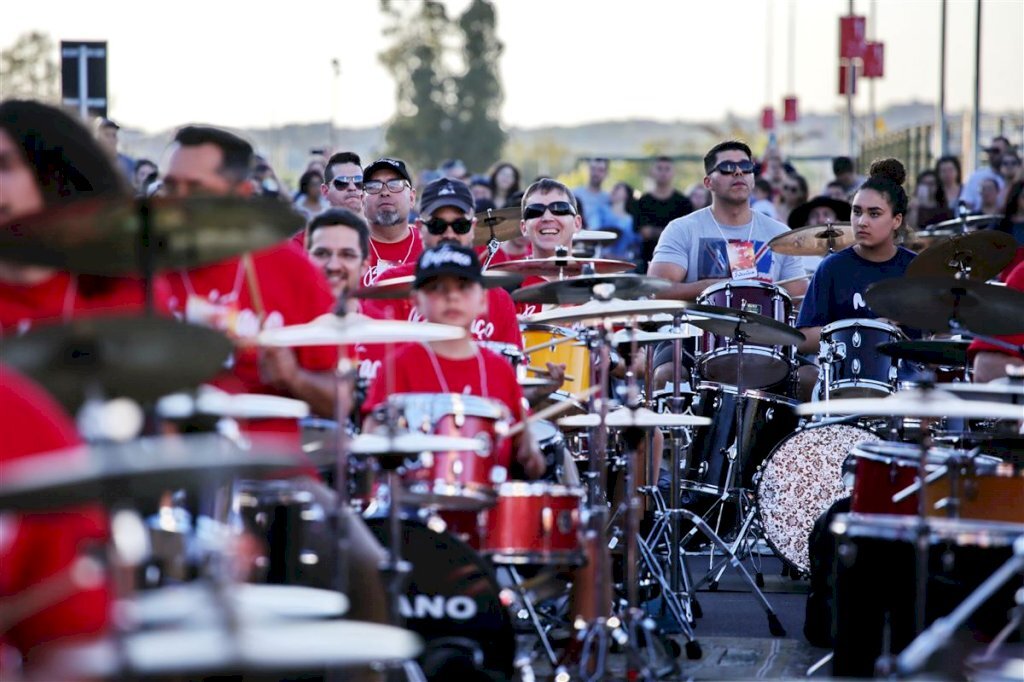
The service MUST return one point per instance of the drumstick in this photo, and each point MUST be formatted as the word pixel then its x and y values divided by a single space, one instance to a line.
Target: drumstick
pixel 547 372
pixel 254 287
pixel 546 344
pixel 551 411
pixel 792 279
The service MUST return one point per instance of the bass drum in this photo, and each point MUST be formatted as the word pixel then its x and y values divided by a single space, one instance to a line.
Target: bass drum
pixel 801 479
pixel 452 602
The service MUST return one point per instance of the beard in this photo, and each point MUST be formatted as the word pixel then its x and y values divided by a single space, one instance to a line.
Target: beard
pixel 388 218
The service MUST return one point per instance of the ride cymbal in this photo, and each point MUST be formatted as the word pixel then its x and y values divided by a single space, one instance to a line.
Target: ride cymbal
pixel 558 266
pixel 981 255
pixel 814 240
pixel 581 289
pixel 757 329
pixel 931 302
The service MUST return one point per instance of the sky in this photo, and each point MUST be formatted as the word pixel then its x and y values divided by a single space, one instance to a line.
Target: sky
pixel 264 64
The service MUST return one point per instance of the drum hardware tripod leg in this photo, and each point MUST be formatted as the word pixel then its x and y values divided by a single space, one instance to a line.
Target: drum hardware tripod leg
pixel 737 544
pixel 819 664
pixel 527 603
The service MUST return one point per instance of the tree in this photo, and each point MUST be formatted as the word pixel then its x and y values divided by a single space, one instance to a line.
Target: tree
pixel 28 69
pixel 448 92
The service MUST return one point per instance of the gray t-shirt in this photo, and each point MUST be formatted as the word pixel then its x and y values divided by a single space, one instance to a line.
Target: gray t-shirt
pixel 696 243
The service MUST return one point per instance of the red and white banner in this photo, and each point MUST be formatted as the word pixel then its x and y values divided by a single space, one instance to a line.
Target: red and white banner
pixel 768 118
pixel 789 109
pixel 852 37
pixel 874 61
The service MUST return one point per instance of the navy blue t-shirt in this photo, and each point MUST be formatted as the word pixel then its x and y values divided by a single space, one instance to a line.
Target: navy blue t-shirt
pixel 837 289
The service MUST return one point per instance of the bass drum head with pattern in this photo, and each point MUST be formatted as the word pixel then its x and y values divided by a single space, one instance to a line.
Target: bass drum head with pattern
pixel 799 481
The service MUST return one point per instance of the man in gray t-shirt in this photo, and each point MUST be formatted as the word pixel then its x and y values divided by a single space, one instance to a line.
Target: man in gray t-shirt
pixel 726 240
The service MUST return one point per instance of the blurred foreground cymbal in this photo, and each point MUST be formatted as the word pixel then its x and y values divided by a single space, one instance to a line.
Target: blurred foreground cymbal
pixel 758 329
pixel 942 353
pixel 970 221
pixel 103 237
pixel 558 266
pixel 814 240
pixel 581 289
pixel 602 235
pixel 984 253
pixel 142 358
pixel 614 309
pixel 401 287
pixel 915 403
pixel 353 329
pixel 930 302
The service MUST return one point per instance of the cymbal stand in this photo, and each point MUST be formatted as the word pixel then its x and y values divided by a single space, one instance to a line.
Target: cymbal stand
pixel 492 244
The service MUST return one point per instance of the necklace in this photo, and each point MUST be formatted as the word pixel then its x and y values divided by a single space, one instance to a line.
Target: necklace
pixel 750 234
pixel 440 375
pixel 412 241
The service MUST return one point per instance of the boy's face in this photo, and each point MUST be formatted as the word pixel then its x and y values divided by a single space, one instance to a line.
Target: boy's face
pixel 451 300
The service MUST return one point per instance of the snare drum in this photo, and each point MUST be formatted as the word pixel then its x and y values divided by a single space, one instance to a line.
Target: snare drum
pixel 454 480
pixel 534 523
pixel 574 354
pixel 883 469
pixel 762 365
pixel 857 369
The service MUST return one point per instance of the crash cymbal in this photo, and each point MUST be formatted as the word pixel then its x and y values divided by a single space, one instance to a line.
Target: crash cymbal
pixel 406 444
pixel 562 267
pixel 102 237
pixel 942 353
pixel 595 236
pixel 814 240
pixel 401 287
pixel 624 418
pixel 353 329
pixel 972 221
pixel 985 253
pixel 759 329
pixel 195 603
pixel 614 309
pixel 502 223
pixel 915 403
pixel 929 303
pixel 114 473
pixel 142 358
pixel 581 289
pixel 264 645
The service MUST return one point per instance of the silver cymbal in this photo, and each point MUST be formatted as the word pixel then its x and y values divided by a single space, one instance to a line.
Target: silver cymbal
pixel 595 236
pixel 642 417
pixel 759 329
pixel 624 337
pixel 352 329
pixel 211 401
pixel 581 289
pixel 406 444
pixel 602 310
pixel 930 302
pixel 916 403
pixel 1000 391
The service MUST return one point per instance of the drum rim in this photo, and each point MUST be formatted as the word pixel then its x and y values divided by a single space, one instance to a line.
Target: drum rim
pixel 744 284
pixel 876 452
pixel 541 327
pixel 860 322
pixel 756 393
pixel 537 489
pixel 940 529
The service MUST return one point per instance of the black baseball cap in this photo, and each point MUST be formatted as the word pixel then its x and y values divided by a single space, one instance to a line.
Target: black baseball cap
pixel 446 192
pixel 396 165
pixel 448 259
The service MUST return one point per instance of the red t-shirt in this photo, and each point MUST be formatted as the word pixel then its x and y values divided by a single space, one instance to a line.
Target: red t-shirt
pixel 384 256
pixel 35 546
pixel 497 324
pixel 524 309
pixel 1014 281
pixel 65 296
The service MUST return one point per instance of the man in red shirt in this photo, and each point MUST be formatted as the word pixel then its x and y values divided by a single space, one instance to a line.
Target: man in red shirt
pixel 275 287
pixel 991 361
pixel 449 291
pixel 389 196
pixel 446 216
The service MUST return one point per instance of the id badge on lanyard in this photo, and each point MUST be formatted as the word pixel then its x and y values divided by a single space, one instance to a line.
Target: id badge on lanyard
pixel 742 258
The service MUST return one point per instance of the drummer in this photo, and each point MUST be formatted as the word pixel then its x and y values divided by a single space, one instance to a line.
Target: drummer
pixel 550 221
pixel 449 290
pixel 990 361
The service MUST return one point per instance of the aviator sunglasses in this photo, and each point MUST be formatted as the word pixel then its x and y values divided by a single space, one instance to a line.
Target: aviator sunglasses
pixel 730 167
pixel 438 226
pixel 559 208
pixel 343 181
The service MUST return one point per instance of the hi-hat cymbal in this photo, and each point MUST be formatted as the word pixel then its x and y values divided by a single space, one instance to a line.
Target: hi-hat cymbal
pixel 971 220
pixel 562 267
pixel 353 329
pixel 915 403
pixel 942 353
pixel 103 237
pixel 614 309
pixel 759 329
pixel 581 289
pixel 501 223
pixel 625 418
pixel 135 470
pixel 986 253
pixel 142 358
pixel 814 240
pixel 929 303
pixel 401 287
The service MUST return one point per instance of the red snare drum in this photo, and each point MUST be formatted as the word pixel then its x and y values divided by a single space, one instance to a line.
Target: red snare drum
pixel 534 523
pixel 762 365
pixel 455 480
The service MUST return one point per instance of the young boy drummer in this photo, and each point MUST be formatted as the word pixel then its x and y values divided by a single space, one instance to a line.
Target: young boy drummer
pixel 449 290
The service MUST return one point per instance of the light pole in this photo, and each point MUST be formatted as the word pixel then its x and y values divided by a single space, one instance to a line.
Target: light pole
pixel 336 69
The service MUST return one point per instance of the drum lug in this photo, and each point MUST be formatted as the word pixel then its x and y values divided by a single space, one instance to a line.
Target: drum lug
pixel 840 351
pixel 769 413
pixel 547 521
pixel 856 340
pixel 855 366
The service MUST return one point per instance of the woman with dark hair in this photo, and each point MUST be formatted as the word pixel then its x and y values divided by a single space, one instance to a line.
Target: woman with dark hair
pixel 311 202
pixel 926 206
pixel 504 183
pixel 794 193
pixel 951 187
pixel 620 215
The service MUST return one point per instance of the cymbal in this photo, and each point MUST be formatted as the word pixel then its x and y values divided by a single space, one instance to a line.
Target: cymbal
pixel 395 288
pixel 994 391
pixel 212 401
pixel 102 237
pixel 353 329
pixel 943 353
pixel 598 310
pixel 759 329
pixel 595 236
pixel 955 223
pixel 135 470
pixel 929 302
pixel 580 289
pixel 556 266
pixel 502 222
pixel 625 337
pixel 142 358
pixel 406 444
pixel 814 240
pixel 986 253
pixel 268 645
pixel 625 418
pixel 194 603
pixel 915 403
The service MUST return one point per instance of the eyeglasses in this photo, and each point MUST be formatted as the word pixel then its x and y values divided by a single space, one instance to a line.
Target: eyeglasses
pixel 394 185
pixel 559 208
pixel 730 167
pixel 343 181
pixel 791 188
pixel 437 226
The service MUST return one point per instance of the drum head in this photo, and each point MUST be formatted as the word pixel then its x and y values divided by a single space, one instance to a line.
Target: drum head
pixel 800 480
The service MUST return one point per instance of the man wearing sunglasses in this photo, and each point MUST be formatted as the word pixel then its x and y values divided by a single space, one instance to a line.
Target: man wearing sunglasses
pixel 550 220
pixel 343 182
pixel 389 196
pixel 726 240
pixel 446 216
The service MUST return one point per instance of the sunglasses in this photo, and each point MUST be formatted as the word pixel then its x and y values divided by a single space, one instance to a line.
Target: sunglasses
pixel 437 226
pixel 791 188
pixel 343 181
pixel 559 208
pixel 730 167
pixel 394 186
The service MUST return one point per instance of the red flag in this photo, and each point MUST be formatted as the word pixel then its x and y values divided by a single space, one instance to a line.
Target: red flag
pixel 768 118
pixel 789 109
pixel 852 37
pixel 874 60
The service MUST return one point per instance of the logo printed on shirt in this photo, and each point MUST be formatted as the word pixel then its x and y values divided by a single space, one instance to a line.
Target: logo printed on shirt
pixel 858 301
